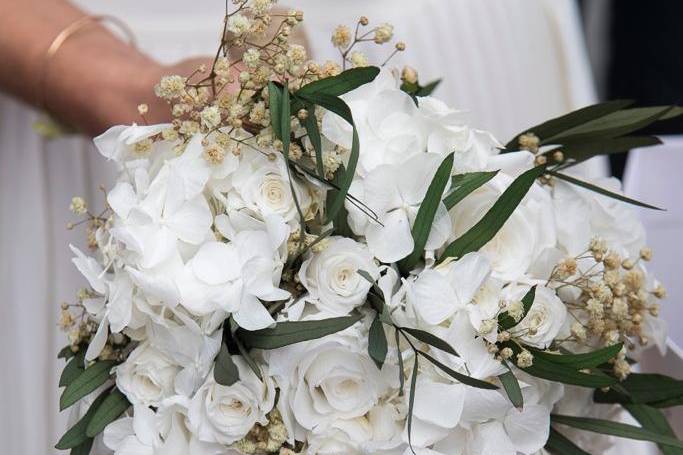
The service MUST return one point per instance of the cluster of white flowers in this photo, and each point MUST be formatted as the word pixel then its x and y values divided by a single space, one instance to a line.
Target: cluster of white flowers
pixel 195 241
pixel 218 233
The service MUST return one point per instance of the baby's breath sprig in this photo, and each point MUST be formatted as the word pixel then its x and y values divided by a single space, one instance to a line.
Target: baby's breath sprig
pixel 613 302
pixel 257 46
pixel 346 42
pixel 74 319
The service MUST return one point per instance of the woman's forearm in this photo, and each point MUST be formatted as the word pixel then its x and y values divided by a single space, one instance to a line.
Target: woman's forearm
pixel 94 80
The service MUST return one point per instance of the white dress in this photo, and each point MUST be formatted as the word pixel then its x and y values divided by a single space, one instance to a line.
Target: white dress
pixel 512 63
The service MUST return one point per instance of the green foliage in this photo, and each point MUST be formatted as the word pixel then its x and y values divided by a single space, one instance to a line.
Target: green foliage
pixel 486 228
pixel 599 129
pixel 338 106
pixel 511 386
pixel 411 400
pixel 415 90
pixel 579 361
pixel 545 369
pixel 600 190
pixel 614 124
pixel 426 213
pixel 429 339
pixel 225 371
pixel 655 390
pixel 377 342
pixel 311 125
pixel 506 322
pixel 76 435
pixel 465 379
pixel 558 444
pixel 557 125
pixel 83 449
pixel 89 380
pixel 73 369
pixel 341 83
pixel 290 332
pixel 581 151
pixel 65 353
pixel 654 420
pixel 401 368
pixel 111 409
pixel 618 429
pixel 464 184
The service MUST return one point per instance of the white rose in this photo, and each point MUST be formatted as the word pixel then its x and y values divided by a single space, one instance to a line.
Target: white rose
pixel 529 230
pixel 545 318
pixel 262 186
pixel 225 414
pixel 350 388
pixel 331 276
pixel 147 376
pixel 328 380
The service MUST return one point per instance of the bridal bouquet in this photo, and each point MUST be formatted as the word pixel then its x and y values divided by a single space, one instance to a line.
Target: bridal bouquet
pixel 322 260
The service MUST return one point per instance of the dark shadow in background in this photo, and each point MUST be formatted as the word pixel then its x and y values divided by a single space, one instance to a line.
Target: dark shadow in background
pixel 645 59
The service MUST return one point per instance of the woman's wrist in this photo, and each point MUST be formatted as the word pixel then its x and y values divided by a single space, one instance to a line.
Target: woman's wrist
pixel 95 81
pixel 130 84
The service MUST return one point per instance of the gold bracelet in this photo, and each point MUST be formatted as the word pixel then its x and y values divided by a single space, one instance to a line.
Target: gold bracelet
pixel 67 33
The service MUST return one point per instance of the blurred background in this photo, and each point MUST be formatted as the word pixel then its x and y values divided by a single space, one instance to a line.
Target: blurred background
pixel 510 63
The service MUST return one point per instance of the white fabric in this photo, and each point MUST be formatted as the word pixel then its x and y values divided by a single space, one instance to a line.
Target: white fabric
pixel 512 63
pixel 651 176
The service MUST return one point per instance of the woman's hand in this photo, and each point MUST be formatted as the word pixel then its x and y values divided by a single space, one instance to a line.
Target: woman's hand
pixel 93 81
pixel 117 103
pixel 113 92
